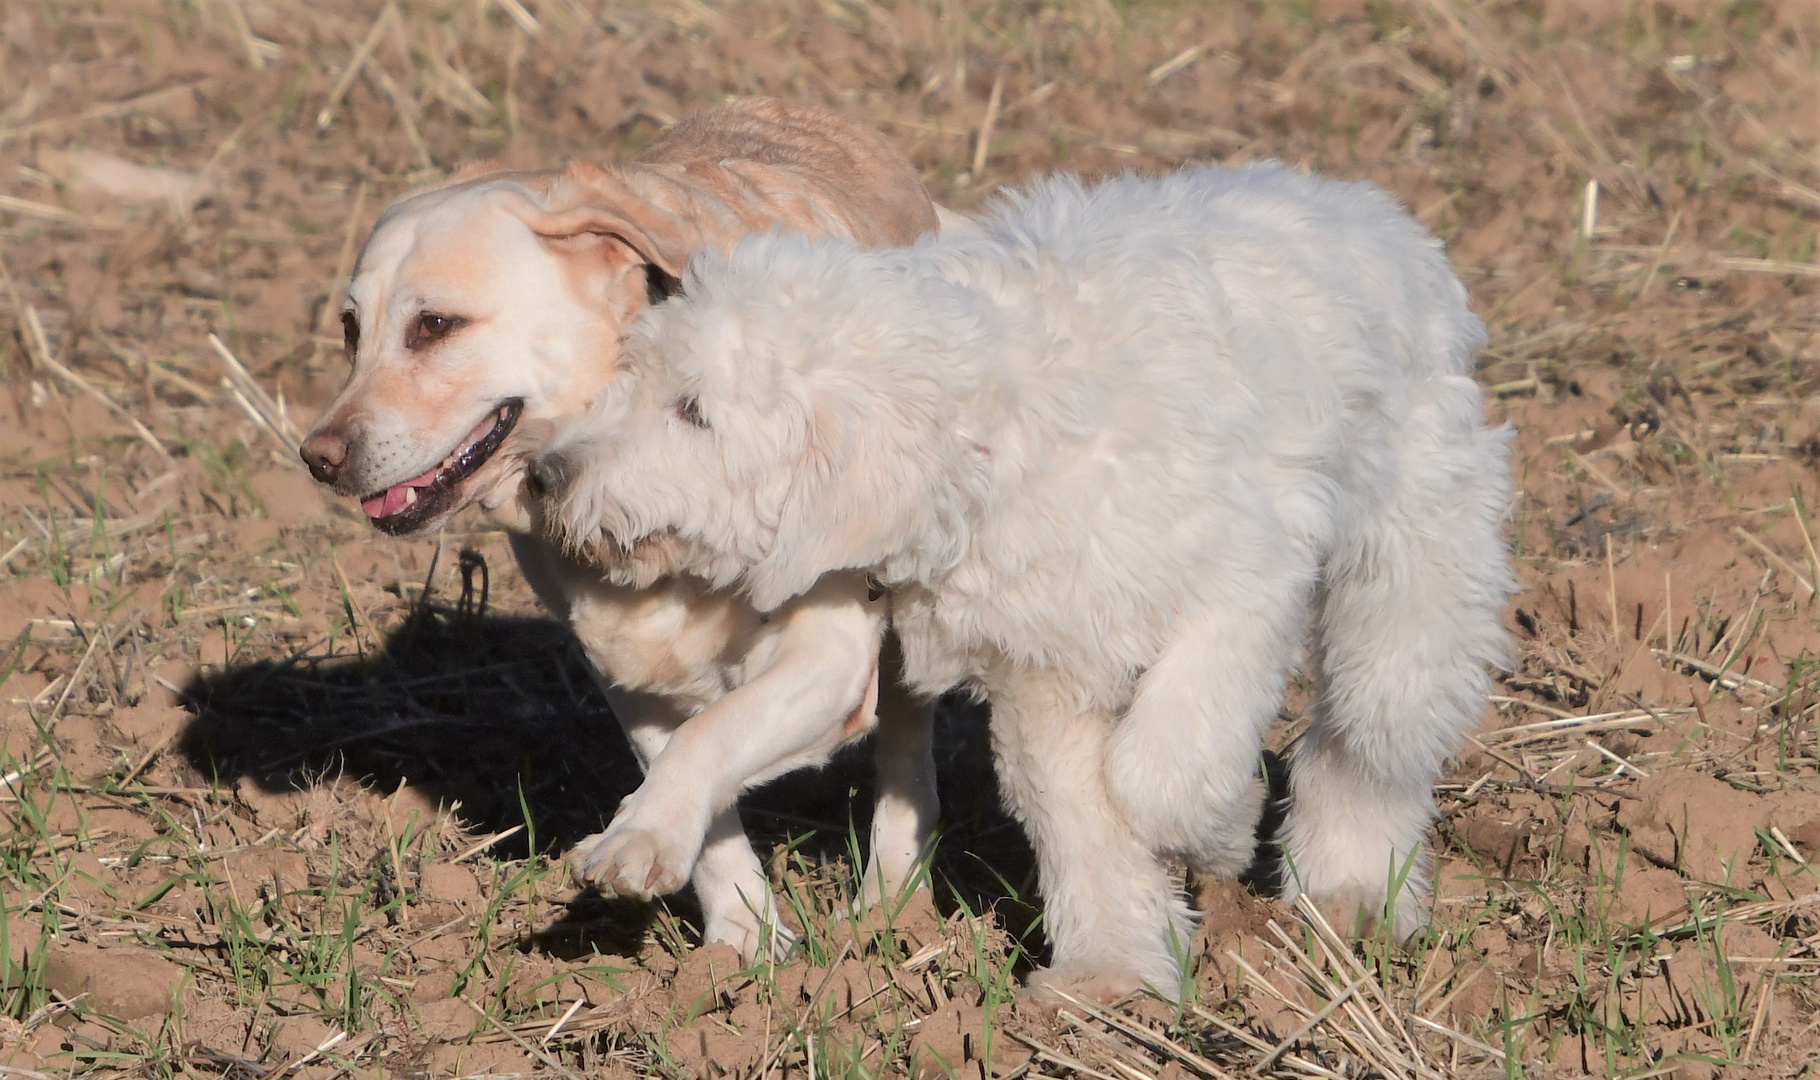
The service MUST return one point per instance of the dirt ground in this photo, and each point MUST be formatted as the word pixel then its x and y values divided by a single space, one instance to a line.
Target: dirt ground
pixel 285 797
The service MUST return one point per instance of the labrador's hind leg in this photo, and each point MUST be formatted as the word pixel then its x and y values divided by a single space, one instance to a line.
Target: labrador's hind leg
pixel 903 817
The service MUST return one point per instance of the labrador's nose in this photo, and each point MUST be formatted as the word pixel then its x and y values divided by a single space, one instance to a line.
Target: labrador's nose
pixel 324 452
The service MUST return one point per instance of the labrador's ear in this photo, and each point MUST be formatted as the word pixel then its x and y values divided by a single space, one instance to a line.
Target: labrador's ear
pixel 586 200
pixel 644 237
pixel 624 256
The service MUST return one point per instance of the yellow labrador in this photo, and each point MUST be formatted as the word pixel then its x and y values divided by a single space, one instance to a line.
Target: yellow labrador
pixel 483 311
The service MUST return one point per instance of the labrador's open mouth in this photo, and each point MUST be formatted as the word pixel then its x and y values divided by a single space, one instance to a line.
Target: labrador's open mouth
pixel 404 507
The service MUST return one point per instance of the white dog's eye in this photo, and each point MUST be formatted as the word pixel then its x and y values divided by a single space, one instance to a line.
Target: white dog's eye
pixel 688 410
pixel 350 334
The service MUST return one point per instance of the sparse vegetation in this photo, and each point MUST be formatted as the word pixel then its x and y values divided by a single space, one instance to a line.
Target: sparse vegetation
pixel 283 798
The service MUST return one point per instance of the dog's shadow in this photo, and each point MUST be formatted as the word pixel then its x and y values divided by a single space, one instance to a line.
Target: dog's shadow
pixel 499 717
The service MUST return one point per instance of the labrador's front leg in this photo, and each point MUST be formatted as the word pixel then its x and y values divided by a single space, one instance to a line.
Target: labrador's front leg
pixel 815 691
pixel 737 904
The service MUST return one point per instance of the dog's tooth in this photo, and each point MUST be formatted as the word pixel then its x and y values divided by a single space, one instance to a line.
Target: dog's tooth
pixel 410 496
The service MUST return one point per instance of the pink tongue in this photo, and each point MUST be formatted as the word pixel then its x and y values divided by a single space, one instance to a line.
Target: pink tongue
pixel 392 500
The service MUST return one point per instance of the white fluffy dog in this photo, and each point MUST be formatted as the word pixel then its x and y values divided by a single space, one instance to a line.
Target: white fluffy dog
pixel 1112 457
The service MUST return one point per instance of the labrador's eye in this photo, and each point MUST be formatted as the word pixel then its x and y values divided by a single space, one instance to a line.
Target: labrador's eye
pixel 430 328
pixel 688 410
pixel 350 335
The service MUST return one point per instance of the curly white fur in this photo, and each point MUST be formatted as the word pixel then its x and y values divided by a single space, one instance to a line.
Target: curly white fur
pixel 1114 454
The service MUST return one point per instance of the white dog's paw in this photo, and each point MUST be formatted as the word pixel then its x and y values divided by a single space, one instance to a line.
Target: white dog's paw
pixel 872 893
pixel 1053 986
pixel 632 861
pixel 749 934
pixel 877 888
pixel 1356 911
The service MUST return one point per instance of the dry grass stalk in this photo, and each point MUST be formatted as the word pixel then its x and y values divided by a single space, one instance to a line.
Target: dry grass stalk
pixel 1780 267
pixel 1569 725
pixel 983 144
pixel 458 92
pixel 521 16
pixel 486 842
pixel 1775 559
pixel 362 53
pixel 75 677
pixel 1179 62
pixel 269 415
pixel 1798 192
pixel 1314 1020
pixel 1758 911
pixel 23 543
pixel 405 108
pixel 1655 267
pixel 783 1040
pixel 1142 1033
pixel 358 620
pixel 537 1052
pixel 1616 759
pixel 1056 1057
pixel 1807 536
pixel 39 349
pixel 41 352
pixel 14 205
pixel 1719 675
pixel 102 112
pixel 330 312
pixel 255 49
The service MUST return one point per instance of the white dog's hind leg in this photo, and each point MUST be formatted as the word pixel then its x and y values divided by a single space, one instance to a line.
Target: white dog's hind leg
pixel 1114 917
pixel 1183 761
pixel 903 817
pixel 1408 627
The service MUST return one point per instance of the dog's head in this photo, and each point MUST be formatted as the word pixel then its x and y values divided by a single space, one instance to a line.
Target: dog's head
pixel 479 314
pixel 790 415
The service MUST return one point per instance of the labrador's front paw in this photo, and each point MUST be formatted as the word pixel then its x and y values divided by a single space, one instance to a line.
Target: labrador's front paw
pixel 631 861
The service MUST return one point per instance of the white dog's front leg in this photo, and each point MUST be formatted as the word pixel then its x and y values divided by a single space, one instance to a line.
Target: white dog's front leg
pixel 1116 921
pixel 736 901
pixel 625 863
pixel 1183 762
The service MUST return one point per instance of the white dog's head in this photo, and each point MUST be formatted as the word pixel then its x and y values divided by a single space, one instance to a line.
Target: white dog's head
pixel 484 308
pixel 792 413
